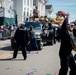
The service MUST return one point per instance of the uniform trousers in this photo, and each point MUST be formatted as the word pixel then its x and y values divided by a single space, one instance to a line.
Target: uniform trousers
pixel 23 48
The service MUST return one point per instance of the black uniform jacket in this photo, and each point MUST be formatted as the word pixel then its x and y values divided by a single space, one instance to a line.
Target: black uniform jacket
pixel 21 35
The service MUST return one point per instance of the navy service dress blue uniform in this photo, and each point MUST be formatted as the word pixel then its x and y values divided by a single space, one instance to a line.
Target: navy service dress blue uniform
pixel 21 37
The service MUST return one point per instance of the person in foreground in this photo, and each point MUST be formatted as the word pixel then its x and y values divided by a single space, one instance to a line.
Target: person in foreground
pixel 65 53
pixel 21 39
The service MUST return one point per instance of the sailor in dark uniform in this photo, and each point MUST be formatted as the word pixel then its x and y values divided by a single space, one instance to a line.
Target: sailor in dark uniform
pixel 21 38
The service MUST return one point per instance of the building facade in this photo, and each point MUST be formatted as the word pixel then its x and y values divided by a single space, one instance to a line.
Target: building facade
pixel 41 6
pixel 48 10
pixel 7 14
pixel 8 7
pixel 25 8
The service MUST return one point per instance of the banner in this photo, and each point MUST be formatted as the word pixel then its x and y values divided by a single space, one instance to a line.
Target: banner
pixel 9 9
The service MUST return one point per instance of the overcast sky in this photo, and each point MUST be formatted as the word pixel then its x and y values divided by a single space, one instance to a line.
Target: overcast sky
pixel 65 5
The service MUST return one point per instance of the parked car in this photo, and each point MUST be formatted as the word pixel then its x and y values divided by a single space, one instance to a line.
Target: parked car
pixel 37 27
pixel 48 33
pixel 4 35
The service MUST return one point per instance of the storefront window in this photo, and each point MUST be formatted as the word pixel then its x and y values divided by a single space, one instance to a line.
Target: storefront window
pixel 27 12
pixel 31 3
pixel 27 2
pixel 24 2
pixel 30 12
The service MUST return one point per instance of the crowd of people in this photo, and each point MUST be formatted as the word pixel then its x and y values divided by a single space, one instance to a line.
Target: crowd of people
pixel 65 52
pixel 23 38
pixel 7 28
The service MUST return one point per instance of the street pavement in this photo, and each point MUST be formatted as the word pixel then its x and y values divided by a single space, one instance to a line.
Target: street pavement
pixel 45 62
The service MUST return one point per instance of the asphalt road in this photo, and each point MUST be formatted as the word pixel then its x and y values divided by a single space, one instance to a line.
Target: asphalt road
pixel 45 62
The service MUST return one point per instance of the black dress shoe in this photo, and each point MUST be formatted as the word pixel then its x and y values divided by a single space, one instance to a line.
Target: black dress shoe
pixel 25 58
pixel 14 57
